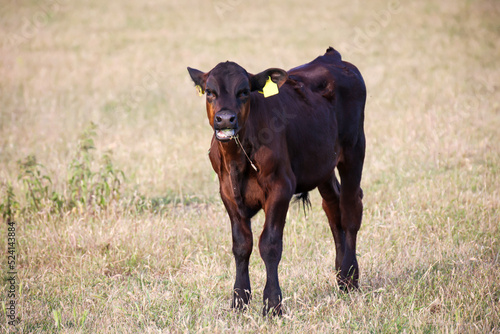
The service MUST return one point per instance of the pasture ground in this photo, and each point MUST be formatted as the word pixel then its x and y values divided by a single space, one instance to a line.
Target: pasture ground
pixel 118 223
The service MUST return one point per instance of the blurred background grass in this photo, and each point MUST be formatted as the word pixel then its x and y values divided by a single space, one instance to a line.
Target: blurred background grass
pixel 122 66
pixel 431 175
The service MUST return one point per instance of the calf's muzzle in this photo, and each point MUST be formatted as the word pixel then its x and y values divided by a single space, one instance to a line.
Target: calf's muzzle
pixel 225 124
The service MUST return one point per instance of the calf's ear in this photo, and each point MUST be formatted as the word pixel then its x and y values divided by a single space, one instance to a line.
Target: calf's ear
pixel 277 75
pixel 199 78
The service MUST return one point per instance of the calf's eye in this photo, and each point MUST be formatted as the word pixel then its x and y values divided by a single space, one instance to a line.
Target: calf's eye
pixel 210 93
pixel 243 93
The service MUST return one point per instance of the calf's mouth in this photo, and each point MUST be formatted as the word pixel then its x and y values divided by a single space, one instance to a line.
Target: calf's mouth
pixel 224 134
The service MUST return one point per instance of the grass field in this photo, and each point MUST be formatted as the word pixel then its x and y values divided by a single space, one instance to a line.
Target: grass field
pixel 118 223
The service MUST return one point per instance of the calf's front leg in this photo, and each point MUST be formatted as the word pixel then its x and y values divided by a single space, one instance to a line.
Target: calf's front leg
pixel 242 249
pixel 271 247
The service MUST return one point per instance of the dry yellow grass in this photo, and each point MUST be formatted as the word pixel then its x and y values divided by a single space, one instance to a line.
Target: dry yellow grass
pixel 429 245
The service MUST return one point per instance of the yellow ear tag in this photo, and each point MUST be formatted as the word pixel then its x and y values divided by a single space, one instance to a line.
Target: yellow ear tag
pixel 270 88
pixel 199 89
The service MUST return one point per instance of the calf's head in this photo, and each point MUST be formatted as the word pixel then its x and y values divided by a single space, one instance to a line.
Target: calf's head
pixel 228 87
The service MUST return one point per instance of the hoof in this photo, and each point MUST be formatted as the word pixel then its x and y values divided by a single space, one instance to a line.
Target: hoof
pixel 241 300
pixel 347 285
pixel 272 311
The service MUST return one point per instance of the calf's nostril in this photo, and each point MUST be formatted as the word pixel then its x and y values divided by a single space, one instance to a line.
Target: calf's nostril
pixel 218 119
pixel 232 119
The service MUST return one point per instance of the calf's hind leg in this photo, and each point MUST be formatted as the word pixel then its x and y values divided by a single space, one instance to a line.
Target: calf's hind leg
pixel 330 192
pixel 351 210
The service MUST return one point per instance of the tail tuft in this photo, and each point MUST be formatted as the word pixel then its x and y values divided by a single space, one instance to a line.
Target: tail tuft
pixel 306 202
